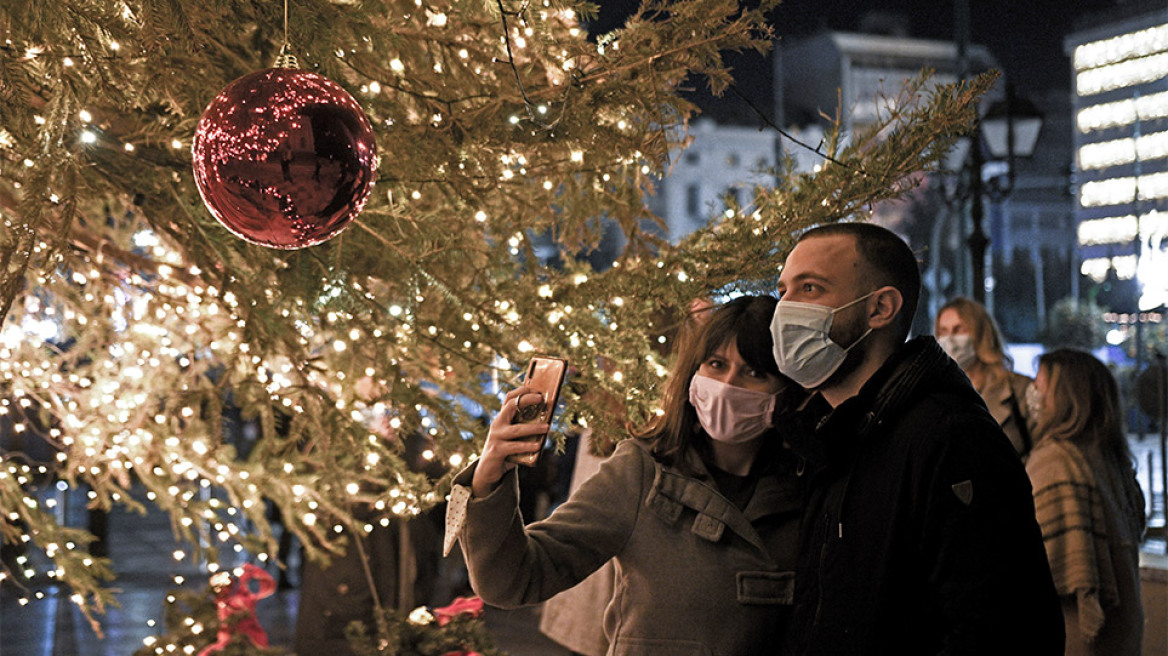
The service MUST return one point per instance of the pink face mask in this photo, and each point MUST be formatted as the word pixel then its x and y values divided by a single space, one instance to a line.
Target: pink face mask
pixel 728 413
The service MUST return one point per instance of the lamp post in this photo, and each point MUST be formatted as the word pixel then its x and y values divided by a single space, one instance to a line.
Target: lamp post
pixel 1008 130
pixel 977 239
pixel 1018 143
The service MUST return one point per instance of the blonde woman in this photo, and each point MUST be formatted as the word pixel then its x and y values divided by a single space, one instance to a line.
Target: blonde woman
pixel 967 332
pixel 1089 505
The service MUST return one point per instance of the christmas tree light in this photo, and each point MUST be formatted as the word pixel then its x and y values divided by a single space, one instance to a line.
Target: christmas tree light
pixel 139 336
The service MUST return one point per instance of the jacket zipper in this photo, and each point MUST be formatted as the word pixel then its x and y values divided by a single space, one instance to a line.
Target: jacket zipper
pixel 865 428
pixel 819 578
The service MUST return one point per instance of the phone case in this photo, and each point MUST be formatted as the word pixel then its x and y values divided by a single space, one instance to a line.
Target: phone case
pixel 544 375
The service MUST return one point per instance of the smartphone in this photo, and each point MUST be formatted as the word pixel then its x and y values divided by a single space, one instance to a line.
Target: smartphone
pixel 544 375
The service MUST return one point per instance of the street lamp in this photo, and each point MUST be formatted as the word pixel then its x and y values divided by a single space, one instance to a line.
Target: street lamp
pixel 1008 130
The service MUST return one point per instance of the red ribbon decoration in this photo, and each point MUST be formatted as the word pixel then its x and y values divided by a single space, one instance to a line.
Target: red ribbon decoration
pixel 460 607
pixel 236 605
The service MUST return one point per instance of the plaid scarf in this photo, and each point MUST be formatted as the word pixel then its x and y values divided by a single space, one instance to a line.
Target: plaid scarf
pixel 1080 514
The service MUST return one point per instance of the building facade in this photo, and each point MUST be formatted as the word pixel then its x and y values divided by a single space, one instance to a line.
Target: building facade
pixel 829 71
pixel 722 162
pixel 1120 114
pixel 1030 261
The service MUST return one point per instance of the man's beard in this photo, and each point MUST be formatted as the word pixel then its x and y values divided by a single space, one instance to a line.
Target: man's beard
pixel 851 334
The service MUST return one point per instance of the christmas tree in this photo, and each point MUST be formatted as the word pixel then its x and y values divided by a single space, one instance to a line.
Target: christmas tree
pixel 139 334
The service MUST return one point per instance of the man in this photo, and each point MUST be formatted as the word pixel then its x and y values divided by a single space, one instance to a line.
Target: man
pixel 918 533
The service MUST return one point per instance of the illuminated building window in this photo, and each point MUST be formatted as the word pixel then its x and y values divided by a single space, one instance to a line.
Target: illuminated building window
pixel 1122 229
pixel 1123 74
pixel 1117 49
pixel 1125 266
pixel 1123 151
pixel 1118 191
pixel 1113 230
pixel 1123 112
pixel 1097 267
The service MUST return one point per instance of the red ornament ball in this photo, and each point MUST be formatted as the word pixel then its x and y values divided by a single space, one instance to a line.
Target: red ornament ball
pixel 284 158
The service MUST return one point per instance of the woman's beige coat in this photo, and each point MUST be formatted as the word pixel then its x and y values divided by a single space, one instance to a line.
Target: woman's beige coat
pixel 1001 399
pixel 694 574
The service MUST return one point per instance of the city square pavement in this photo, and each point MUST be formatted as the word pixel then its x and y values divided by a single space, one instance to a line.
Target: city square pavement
pixel 142 547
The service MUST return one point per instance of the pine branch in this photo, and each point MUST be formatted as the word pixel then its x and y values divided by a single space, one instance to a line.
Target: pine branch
pixel 406 326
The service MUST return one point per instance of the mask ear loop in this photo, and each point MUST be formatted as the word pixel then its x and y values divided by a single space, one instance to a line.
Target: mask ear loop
pixel 859 339
pixel 850 304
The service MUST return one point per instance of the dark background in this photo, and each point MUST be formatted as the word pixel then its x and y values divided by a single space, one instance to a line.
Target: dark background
pixel 1026 36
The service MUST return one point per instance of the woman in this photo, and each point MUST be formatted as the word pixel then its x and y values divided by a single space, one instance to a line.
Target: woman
pixel 970 336
pixel 1089 504
pixel 699 511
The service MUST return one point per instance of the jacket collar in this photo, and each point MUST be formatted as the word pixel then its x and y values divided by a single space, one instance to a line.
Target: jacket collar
pixel 673 491
pixel 820 433
pixel 999 397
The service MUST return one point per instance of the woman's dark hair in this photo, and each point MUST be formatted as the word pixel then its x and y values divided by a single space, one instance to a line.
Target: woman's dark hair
pixel 745 320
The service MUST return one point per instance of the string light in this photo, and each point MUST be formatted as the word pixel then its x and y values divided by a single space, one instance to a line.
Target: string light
pixel 118 416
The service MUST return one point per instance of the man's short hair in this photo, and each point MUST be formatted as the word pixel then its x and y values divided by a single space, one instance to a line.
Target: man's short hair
pixel 888 259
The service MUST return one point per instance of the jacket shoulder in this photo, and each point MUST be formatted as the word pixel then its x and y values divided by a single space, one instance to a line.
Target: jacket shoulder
pixel 958 427
pixel 1019 383
pixel 1057 461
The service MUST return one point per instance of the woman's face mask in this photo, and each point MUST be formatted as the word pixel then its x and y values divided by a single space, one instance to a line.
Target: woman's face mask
pixel 1034 401
pixel 728 413
pixel 960 348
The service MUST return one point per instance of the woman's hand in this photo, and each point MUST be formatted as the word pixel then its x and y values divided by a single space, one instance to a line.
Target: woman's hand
pixel 505 439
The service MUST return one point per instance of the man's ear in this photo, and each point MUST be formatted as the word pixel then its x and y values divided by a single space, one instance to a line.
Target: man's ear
pixel 884 307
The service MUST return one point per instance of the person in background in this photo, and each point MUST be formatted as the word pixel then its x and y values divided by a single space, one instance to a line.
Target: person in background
pixel 969 335
pixel 699 512
pixel 918 533
pixel 1089 504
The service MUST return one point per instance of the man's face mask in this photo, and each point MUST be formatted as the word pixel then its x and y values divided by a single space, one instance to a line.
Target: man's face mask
pixel 804 350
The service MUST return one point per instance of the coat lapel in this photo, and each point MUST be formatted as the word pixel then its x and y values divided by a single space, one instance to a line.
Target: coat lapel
pixel 672 492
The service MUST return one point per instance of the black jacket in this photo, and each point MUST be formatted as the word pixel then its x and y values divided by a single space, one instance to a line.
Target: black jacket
pixel 918 534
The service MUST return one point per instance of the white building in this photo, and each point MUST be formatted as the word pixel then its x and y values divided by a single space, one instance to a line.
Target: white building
pixel 1029 263
pixel 832 70
pixel 721 161
pixel 1120 119
pixel 853 75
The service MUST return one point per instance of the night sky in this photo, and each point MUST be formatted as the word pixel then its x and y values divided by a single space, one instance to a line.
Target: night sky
pixel 1026 36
